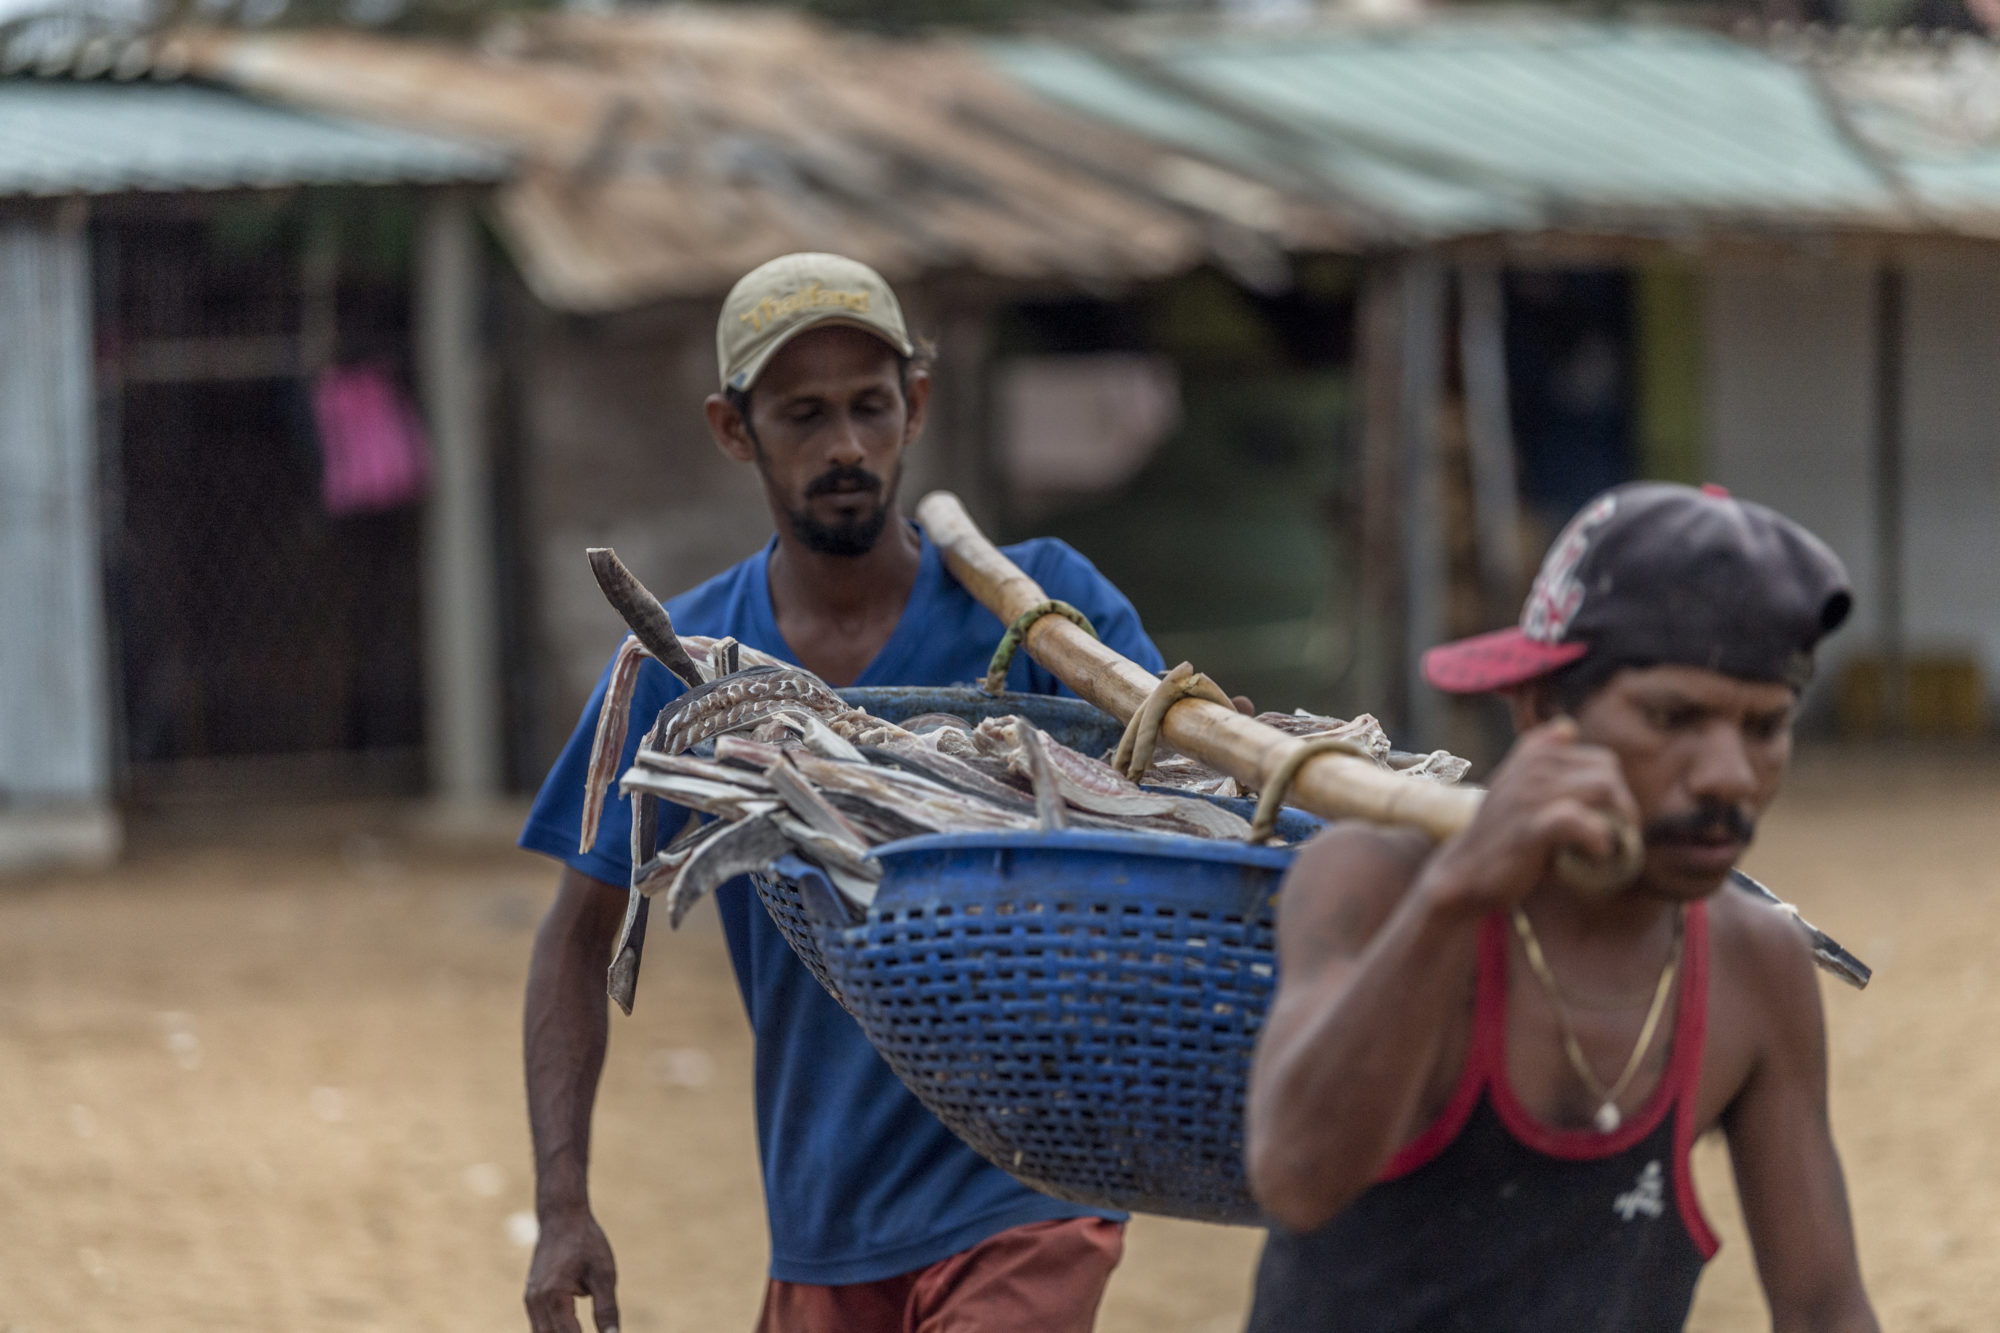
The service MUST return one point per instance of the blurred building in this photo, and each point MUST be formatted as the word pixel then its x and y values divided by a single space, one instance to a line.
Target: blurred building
pixel 1374 305
pixel 1603 250
pixel 174 588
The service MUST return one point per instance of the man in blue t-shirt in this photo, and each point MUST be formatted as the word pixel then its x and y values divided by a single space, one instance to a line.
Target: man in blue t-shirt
pixel 880 1218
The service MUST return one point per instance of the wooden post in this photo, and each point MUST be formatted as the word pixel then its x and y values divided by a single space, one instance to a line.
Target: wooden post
pixel 55 695
pixel 1496 505
pixel 955 452
pixel 462 689
pixel 1425 569
pixel 1378 601
pixel 1889 492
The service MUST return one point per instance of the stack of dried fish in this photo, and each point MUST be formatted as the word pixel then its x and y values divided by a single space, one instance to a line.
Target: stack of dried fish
pixel 785 766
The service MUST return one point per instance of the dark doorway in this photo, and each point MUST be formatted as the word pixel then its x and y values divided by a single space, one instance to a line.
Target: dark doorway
pixel 264 644
pixel 1571 380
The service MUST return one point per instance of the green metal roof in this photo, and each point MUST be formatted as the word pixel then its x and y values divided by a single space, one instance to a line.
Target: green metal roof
pixel 59 137
pixel 1463 125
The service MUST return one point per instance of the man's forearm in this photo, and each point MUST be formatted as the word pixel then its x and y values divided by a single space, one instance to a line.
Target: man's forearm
pixel 1334 1091
pixel 564 1030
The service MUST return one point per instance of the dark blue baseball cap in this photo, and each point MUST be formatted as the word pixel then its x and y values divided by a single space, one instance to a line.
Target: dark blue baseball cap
pixel 1653 573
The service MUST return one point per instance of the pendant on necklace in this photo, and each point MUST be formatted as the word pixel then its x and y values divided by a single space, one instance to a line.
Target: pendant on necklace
pixel 1607 1119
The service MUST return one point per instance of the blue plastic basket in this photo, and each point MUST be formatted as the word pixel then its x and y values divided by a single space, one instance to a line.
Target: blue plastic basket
pixel 1079 1007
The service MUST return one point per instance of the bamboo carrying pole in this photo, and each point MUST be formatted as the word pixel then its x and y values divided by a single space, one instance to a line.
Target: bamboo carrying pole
pixel 1333 786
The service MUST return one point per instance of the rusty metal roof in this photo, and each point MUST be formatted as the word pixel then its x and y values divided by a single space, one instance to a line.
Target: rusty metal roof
pixel 664 152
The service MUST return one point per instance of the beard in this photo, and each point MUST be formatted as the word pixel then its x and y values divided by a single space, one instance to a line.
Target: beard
pixel 856 534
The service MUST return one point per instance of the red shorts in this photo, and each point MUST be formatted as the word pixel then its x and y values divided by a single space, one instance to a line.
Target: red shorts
pixel 1045 1277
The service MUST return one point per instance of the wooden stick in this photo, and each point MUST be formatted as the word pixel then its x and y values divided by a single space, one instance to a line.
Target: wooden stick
pixel 1332 786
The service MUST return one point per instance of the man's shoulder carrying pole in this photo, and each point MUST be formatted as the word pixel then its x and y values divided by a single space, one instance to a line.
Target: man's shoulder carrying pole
pixel 1331 785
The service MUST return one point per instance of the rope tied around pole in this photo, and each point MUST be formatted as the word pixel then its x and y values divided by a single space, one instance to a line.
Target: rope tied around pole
pixel 1142 734
pixel 1264 824
pixel 1003 656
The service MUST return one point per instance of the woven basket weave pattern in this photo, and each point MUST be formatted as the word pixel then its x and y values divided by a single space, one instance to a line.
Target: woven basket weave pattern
pixel 1079 1007
pixel 1095 1046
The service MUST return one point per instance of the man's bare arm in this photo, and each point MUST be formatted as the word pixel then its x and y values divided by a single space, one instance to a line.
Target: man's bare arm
pixel 1781 1145
pixel 564 1032
pixel 1369 972
pixel 1376 945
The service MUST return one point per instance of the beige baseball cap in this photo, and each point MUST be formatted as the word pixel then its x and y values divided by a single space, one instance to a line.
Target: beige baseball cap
pixel 776 302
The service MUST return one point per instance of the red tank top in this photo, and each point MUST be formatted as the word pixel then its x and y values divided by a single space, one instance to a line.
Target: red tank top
pixel 1490 1220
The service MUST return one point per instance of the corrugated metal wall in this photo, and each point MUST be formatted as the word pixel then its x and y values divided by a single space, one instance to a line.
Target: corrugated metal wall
pixel 53 743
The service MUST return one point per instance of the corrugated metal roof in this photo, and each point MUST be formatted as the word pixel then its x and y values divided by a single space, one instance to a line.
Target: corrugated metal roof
pixel 59 137
pixel 1476 124
pixel 667 150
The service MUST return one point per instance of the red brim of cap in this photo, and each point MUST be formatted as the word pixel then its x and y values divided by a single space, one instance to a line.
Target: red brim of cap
pixel 1497 661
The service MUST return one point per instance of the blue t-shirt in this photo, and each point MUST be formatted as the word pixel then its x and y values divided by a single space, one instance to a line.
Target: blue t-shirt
pixel 860 1181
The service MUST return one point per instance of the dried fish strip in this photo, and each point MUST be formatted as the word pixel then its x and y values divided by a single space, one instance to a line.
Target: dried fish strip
pixel 814 734
pixel 812 808
pixel 744 847
pixel 944 733
pixel 1362 730
pixel 642 612
pixel 660 869
pixel 608 742
pixel 1100 788
pixel 749 696
pixel 951 771
pixel 701 647
pixel 1437 766
pixel 712 788
pixel 723 657
pixel 747 753
pixel 1041 775
pixel 916 799
pixel 832 853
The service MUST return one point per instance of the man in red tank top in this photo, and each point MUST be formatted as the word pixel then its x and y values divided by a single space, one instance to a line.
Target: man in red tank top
pixel 1472 1105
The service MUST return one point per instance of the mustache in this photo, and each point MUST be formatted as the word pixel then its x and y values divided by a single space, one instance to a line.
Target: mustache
pixel 1708 822
pixel 845 477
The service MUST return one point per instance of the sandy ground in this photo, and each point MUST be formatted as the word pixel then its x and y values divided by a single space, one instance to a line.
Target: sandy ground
pixel 272 1083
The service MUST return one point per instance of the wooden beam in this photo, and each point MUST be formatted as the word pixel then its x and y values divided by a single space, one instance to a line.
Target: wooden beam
pixel 462 683
pixel 1496 505
pixel 1425 568
pixel 1377 678
pixel 55 694
pixel 1888 460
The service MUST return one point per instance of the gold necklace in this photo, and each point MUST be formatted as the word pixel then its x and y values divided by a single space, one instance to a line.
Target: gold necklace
pixel 1608 1117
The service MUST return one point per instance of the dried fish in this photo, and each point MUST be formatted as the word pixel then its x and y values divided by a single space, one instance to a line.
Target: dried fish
pixel 659 869
pixel 944 733
pixel 795 770
pixel 608 742
pixel 1095 786
pixel 723 658
pixel 1185 774
pixel 742 848
pixel 701 647
pixel 643 613
pixel 915 799
pixel 748 696
pixel 812 808
pixel 1041 776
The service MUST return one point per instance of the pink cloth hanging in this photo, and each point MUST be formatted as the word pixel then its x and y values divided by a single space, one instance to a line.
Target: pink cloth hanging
pixel 373 452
